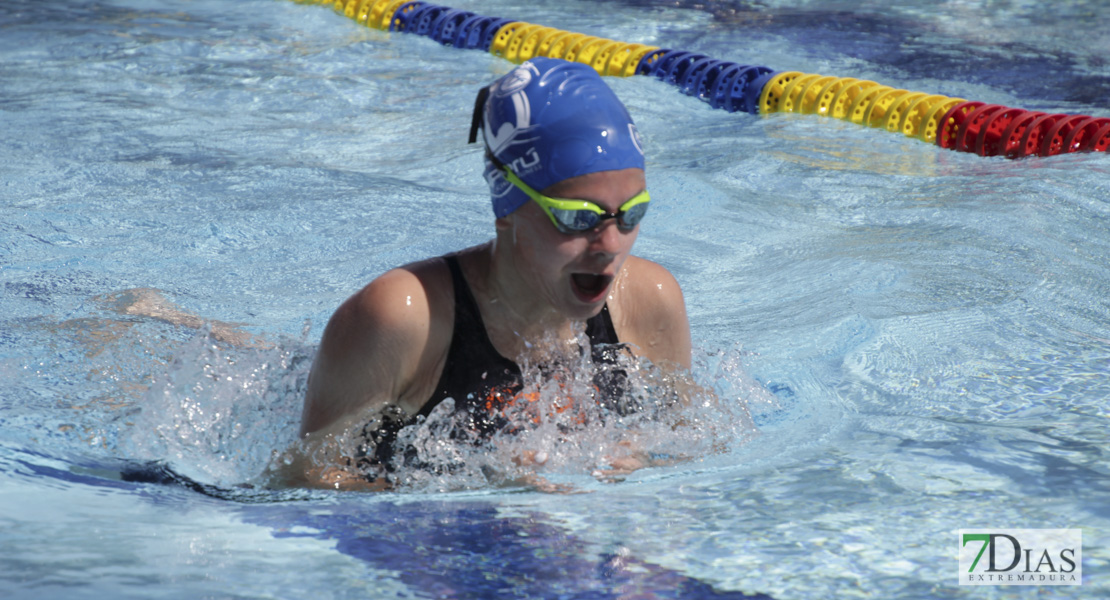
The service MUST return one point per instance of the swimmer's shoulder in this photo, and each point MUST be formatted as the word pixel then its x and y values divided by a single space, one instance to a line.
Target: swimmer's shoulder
pixel 427 284
pixel 381 343
pixel 651 285
pixel 407 300
pixel 650 312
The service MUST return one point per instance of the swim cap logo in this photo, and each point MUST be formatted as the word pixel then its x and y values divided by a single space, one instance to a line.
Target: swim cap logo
pixel 515 80
pixel 510 93
pixel 499 187
pixel 525 163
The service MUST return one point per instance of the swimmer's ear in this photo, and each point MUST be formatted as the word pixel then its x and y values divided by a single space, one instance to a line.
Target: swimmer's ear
pixel 476 118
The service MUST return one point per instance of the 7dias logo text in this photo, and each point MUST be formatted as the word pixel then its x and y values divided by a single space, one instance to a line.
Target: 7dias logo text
pixel 1021 557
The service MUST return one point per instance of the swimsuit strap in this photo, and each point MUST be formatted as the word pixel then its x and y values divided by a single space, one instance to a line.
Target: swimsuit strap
pixel 473 364
pixel 466 307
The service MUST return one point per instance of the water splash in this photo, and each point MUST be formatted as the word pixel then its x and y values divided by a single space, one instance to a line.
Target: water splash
pixel 226 415
pixel 561 426
pixel 218 414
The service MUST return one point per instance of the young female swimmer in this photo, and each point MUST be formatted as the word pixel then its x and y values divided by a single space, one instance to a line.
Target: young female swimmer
pixel 565 170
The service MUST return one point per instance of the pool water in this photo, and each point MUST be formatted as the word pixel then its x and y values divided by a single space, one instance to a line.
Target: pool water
pixel 920 337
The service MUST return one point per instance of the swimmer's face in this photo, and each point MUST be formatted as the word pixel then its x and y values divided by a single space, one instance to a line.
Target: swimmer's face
pixel 575 272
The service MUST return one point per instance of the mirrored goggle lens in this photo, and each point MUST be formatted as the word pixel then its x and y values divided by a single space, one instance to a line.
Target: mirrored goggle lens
pixel 583 220
pixel 631 217
pixel 576 220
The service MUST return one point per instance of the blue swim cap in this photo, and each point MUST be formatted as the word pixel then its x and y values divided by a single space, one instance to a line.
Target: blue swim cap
pixel 549 120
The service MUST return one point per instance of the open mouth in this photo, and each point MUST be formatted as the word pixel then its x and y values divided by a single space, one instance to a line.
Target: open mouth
pixel 590 287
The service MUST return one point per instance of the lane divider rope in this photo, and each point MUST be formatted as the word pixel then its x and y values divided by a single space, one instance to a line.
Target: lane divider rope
pixel 951 123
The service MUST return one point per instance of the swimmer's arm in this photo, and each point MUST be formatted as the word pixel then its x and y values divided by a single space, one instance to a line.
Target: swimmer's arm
pixel 369 357
pixel 315 462
pixel 653 315
pixel 661 331
pixel 153 304
pixel 654 320
pixel 370 352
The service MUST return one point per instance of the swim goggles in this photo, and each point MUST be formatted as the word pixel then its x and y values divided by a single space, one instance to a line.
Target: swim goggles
pixel 576 216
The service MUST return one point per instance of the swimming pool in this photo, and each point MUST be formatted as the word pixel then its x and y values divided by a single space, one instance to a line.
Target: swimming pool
pixel 921 335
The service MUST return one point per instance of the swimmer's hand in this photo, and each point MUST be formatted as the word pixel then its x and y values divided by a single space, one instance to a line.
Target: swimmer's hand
pixel 336 478
pixel 626 459
pixel 531 458
pixel 620 468
pixel 538 458
pixel 542 485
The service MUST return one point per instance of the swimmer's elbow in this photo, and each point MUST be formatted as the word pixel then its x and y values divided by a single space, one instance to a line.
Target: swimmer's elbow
pixel 309 464
pixel 335 478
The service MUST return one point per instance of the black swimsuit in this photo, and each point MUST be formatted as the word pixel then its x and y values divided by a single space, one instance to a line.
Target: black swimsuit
pixel 477 376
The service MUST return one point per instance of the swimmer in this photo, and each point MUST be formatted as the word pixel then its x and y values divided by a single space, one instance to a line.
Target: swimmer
pixel 565 168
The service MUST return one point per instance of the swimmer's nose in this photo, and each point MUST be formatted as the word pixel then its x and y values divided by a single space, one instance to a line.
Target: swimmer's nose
pixel 608 238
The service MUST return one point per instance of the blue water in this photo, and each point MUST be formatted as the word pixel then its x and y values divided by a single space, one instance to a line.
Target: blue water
pixel 922 337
